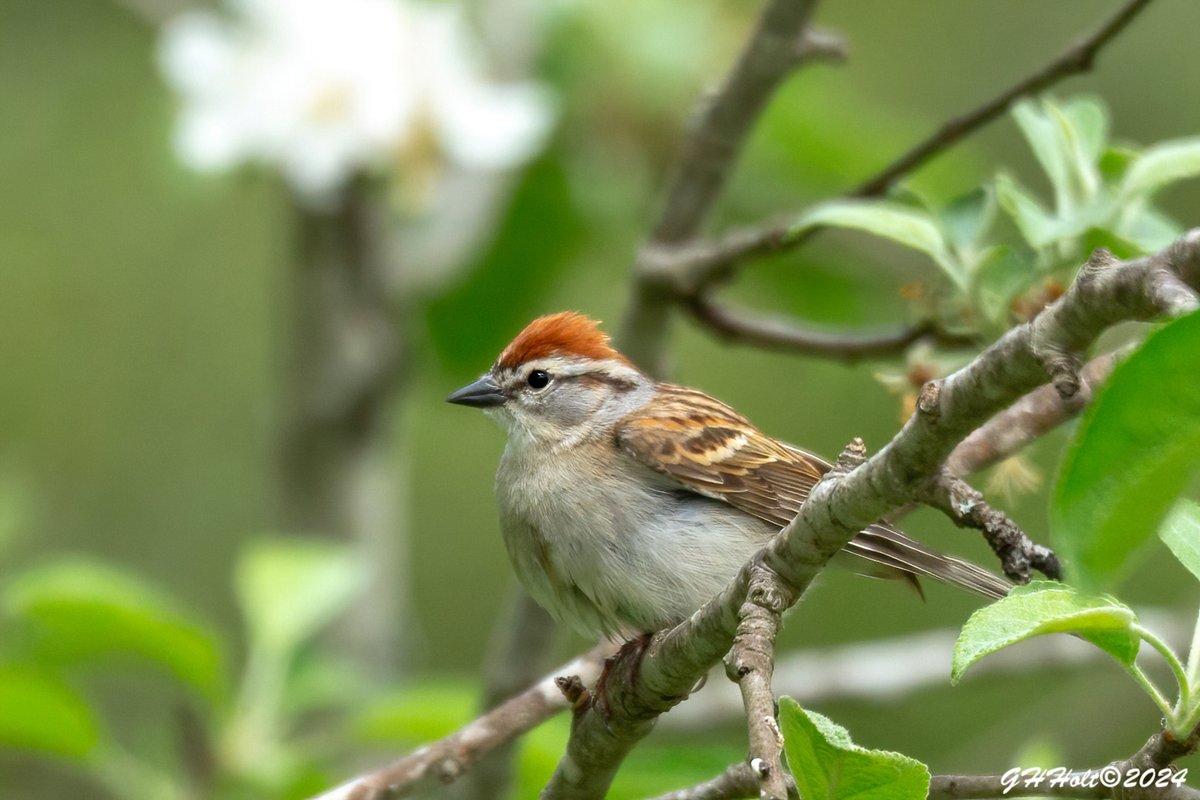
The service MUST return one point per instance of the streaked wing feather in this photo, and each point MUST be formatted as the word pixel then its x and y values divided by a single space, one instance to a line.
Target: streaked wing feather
pixel 709 448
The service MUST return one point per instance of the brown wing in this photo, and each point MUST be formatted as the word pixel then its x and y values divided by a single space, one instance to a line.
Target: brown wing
pixel 711 449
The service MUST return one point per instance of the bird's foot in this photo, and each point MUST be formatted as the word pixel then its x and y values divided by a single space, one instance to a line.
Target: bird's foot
pixel 634 648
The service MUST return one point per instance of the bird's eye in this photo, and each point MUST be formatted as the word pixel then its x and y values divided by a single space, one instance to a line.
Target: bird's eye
pixel 538 379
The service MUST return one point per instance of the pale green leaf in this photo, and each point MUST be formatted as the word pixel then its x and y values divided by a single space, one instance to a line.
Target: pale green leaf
pixel 290 588
pixel 1162 165
pixel 79 611
pixel 901 224
pixel 1118 245
pixel 1083 126
pixel 1045 607
pixel 1131 457
pixel 1181 533
pixel 827 765
pixel 1035 223
pixel 1115 162
pixel 422 711
pixel 1150 229
pixel 1045 139
pixel 1001 274
pixel 40 713
pixel 967 218
pixel 1088 118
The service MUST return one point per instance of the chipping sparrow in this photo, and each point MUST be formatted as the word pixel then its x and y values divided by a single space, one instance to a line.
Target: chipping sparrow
pixel 626 503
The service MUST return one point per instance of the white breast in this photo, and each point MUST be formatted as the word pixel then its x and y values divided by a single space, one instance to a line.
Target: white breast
pixel 626 553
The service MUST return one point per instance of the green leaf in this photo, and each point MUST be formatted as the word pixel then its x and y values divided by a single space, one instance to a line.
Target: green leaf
pixel 1001 274
pixel 1150 229
pixel 81 611
pixel 967 218
pixel 1161 165
pixel 1035 223
pixel 1181 533
pixel 290 588
pixel 827 765
pixel 1115 163
pixel 1083 126
pixel 1131 457
pixel 1088 123
pixel 534 243
pixel 43 714
pixel 888 220
pixel 1119 246
pixel 427 710
pixel 1045 138
pixel 1045 607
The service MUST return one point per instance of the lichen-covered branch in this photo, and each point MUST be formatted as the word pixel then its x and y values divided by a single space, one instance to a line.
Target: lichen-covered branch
pixel 855 493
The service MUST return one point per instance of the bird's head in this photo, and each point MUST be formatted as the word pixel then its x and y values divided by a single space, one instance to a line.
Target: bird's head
pixel 558 382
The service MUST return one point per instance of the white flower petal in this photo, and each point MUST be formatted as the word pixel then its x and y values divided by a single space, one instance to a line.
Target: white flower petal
pixel 208 139
pixel 196 52
pixel 495 127
pixel 321 89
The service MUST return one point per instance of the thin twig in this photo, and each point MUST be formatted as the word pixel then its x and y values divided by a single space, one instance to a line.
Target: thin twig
pixel 966 508
pixel 1076 59
pixel 737 781
pixel 769 334
pixel 750 664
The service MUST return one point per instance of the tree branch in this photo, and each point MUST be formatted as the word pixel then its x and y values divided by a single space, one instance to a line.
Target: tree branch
pixel 750 664
pixel 1076 59
pixel 737 781
pixel 984 787
pixel 768 334
pixel 1157 754
pixel 701 262
pixel 777 46
pixel 967 508
pixel 446 759
pixel 851 497
pixel 1030 418
pixel 519 652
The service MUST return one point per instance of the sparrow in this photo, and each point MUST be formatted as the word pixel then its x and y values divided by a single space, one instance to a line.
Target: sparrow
pixel 627 503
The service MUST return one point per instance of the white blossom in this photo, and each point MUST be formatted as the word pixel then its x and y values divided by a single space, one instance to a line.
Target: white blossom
pixel 322 89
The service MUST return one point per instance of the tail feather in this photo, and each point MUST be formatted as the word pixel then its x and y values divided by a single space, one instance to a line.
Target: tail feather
pixel 890 548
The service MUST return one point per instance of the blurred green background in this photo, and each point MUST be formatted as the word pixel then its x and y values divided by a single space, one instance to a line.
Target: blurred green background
pixel 144 317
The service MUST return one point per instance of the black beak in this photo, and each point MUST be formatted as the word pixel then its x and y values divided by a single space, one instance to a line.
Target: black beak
pixel 483 393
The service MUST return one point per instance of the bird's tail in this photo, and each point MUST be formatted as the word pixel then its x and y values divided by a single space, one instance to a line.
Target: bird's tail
pixel 888 547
